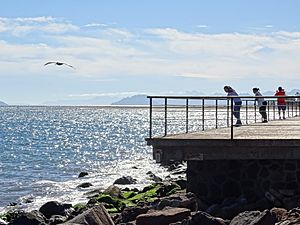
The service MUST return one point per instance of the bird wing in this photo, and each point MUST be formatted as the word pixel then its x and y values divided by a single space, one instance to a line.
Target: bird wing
pixel 69 65
pixel 47 63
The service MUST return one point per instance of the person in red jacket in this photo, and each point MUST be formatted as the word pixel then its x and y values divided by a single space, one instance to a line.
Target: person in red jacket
pixel 281 103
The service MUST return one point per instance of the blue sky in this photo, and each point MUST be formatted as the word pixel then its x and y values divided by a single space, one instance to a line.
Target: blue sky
pixel 122 48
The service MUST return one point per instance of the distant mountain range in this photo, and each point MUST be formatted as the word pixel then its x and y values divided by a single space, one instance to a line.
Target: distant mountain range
pixel 143 100
pixel 133 100
pixel 2 103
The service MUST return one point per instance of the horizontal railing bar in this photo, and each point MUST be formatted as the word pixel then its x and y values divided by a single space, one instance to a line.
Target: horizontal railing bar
pixel 222 97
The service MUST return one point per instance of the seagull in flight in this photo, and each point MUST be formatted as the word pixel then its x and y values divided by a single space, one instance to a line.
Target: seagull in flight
pixel 59 64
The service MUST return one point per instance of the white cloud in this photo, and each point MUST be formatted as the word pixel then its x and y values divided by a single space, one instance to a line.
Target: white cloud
pixel 41 19
pixel 96 25
pixel 22 26
pixel 202 26
pixel 222 56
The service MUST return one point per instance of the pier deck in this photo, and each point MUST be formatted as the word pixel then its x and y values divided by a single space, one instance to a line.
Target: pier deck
pixel 278 139
pixel 276 129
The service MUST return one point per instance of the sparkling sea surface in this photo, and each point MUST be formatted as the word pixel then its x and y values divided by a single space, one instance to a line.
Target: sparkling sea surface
pixel 43 149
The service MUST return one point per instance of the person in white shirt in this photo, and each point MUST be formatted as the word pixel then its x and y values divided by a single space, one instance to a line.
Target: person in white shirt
pixel 237 104
pixel 261 103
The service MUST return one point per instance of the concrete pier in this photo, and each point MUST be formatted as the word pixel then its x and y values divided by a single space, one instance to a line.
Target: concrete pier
pixel 260 157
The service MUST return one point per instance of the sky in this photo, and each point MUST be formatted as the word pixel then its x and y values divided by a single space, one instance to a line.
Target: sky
pixel 120 48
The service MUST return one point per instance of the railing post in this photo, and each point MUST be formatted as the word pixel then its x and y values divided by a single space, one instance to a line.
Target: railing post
pixel 268 107
pixel 216 113
pixel 254 111
pixel 202 113
pixel 246 111
pixel 228 109
pixel 274 106
pixel 187 116
pixel 288 109
pixel 166 127
pixel 150 122
pixel 231 129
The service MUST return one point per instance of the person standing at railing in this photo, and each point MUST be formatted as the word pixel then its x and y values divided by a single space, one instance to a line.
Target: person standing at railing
pixel 261 103
pixel 237 104
pixel 281 103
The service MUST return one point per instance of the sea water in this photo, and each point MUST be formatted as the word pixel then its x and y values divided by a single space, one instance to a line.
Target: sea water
pixel 43 149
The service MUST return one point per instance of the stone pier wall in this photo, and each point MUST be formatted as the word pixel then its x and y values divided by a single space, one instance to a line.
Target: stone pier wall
pixel 215 180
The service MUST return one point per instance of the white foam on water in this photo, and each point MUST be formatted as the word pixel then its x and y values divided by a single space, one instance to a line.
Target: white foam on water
pixel 68 191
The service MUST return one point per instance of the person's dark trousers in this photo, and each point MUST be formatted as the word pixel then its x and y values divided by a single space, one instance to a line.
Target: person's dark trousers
pixel 236 110
pixel 262 111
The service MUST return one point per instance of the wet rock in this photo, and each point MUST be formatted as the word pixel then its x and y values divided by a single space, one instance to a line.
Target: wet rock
pixel 182 183
pixel 167 188
pixel 254 218
pixel 85 185
pixel 83 174
pixel 125 180
pixel 113 191
pixel 54 208
pixel 56 219
pixel 153 177
pixel 205 219
pixel 129 223
pixel 279 213
pixel 130 214
pixel 163 217
pixel 94 216
pixel 29 218
pixel 291 217
pixel 178 201
pixel 265 218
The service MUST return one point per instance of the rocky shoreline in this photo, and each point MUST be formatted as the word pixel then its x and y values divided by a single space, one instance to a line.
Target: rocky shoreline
pixel 162 203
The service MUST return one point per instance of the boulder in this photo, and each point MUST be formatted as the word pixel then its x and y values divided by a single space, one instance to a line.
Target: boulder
pixel 205 219
pixel 54 208
pixel 153 177
pixel 113 191
pixel 265 218
pixel 125 180
pixel 29 218
pixel 163 217
pixel 83 174
pixel 130 214
pixel 94 216
pixel 254 218
pixel 85 185
pixel 57 219
pixel 291 217
pixel 279 213
pixel 178 201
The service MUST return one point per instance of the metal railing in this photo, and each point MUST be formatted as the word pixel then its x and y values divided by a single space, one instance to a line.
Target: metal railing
pixel 185 114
